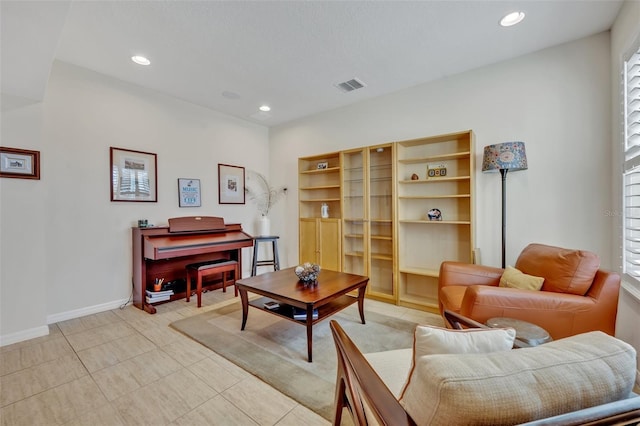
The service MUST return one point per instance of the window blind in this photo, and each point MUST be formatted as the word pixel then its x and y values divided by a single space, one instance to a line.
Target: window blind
pixel 631 178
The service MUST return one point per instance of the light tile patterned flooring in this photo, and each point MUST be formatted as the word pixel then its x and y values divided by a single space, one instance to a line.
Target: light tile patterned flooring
pixel 127 367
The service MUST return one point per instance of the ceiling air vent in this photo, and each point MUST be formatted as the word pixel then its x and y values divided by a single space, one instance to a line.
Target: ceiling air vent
pixel 351 85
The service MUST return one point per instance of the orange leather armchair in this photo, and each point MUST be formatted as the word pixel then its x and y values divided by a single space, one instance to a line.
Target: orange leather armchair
pixel 576 296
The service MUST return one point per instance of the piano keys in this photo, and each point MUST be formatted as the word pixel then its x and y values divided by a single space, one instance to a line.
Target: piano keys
pixel 164 252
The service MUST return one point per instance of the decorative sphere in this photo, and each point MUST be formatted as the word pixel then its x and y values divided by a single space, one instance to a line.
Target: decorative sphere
pixel 434 214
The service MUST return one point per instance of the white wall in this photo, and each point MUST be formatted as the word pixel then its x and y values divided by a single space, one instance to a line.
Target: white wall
pixel 66 248
pixel 23 290
pixel 624 33
pixel 557 101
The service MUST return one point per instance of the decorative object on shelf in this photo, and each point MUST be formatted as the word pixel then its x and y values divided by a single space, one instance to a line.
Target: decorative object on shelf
pixel 264 196
pixel 308 273
pixel 322 165
pixel 438 170
pixel 188 192
pixel 271 305
pixel 504 157
pixel 133 175
pixel 324 210
pixel 157 286
pixel 230 184
pixel 143 223
pixel 434 214
pixel 415 177
pixel 19 163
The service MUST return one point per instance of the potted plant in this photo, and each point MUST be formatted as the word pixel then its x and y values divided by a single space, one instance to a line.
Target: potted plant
pixel 264 196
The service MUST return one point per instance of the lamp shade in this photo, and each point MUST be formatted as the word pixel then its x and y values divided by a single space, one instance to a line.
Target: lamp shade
pixel 504 156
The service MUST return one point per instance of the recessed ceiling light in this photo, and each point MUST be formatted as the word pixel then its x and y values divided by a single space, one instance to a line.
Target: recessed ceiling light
pixel 265 108
pixel 140 60
pixel 512 19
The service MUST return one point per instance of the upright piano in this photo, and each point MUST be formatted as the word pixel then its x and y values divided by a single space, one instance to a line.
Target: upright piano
pixel 162 252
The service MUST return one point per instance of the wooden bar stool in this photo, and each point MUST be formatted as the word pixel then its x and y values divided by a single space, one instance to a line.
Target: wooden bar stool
pixel 275 261
pixel 205 269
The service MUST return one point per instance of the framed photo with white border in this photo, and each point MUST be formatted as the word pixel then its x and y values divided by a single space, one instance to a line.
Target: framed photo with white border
pixel 134 175
pixel 19 163
pixel 230 184
pixel 189 192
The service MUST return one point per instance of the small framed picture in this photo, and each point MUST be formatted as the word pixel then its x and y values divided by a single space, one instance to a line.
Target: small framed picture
pixel 322 165
pixel 189 192
pixel 230 184
pixel 436 171
pixel 133 175
pixel 19 163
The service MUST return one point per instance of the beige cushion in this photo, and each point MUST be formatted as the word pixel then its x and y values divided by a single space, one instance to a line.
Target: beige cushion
pixel 564 270
pixel 520 385
pixel 393 367
pixel 514 278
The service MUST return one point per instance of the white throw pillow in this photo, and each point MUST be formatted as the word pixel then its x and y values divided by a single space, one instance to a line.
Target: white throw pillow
pixel 431 340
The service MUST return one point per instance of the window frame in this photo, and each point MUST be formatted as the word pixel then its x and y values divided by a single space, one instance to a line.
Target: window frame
pixel 631 167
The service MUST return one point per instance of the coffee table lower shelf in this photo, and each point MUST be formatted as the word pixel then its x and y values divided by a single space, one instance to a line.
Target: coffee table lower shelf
pixel 286 311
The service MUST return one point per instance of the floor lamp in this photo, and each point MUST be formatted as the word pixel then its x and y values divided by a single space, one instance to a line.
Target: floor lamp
pixel 504 157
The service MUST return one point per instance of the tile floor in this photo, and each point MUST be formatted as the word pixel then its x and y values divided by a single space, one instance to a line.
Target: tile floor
pixel 127 367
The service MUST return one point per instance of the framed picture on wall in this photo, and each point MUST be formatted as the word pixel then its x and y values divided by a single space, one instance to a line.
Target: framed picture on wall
pixel 230 184
pixel 19 163
pixel 189 192
pixel 134 175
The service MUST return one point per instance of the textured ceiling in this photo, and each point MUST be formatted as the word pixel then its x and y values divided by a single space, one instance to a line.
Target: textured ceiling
pixel 285 54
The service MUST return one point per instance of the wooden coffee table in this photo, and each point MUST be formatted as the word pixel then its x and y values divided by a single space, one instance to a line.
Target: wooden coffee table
pixel 327 297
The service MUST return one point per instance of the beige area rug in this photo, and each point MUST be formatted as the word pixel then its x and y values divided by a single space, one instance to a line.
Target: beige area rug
pixel 275 349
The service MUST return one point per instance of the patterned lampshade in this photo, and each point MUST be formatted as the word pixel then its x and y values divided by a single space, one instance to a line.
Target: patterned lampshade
pixel 504 156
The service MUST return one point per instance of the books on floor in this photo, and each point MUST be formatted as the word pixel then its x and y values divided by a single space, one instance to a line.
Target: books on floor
pixel 158 296
pixel 301 314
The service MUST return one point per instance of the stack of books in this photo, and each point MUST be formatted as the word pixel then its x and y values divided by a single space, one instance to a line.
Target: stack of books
pixel 301 314
pixel 158 296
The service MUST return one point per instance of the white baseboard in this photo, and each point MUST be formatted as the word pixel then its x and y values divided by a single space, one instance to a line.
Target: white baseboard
pixel 63 316
pixel 20 336
pixel 32 333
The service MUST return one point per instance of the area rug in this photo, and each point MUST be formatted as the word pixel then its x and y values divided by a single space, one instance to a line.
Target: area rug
pixel 275 350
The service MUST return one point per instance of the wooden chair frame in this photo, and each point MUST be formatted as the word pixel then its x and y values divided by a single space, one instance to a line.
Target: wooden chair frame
pixel 353 369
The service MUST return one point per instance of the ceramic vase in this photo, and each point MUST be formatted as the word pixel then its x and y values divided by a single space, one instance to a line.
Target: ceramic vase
pixel 264 226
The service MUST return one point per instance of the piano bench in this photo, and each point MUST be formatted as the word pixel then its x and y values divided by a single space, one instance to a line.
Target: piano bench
pixel 205 269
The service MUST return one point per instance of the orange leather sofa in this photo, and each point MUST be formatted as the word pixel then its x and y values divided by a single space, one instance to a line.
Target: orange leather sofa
pixel 576 296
